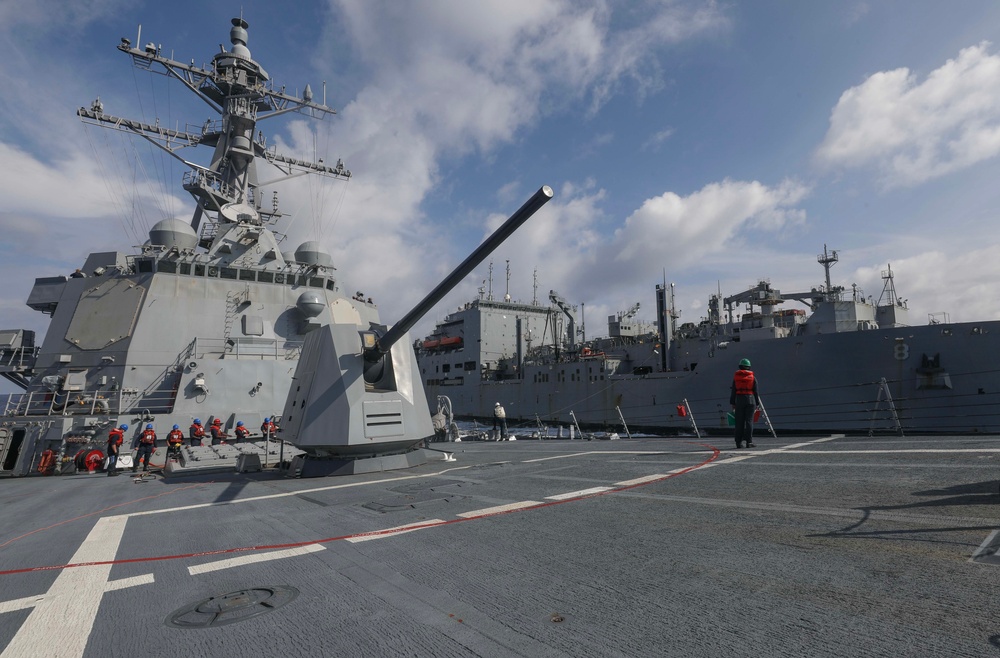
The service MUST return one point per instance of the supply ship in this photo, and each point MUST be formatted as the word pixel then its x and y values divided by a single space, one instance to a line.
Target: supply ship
pixel 827 360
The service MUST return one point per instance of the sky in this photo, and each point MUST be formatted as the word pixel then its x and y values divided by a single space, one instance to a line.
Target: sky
pixel 708 144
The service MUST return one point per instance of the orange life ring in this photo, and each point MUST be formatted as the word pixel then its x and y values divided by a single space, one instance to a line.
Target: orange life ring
pixel 47 464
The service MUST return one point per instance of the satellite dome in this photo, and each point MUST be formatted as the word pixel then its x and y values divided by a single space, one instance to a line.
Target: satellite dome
pixel 311 303
pixel 310 253
pixel 172 233
pixel 288 257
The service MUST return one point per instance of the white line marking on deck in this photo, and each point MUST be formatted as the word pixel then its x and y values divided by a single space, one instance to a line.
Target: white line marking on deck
pixel 608 452
pixel 297 493
pixel 398 530
pixel 21 604
pixel 132 581
pixel 578 494
pixel 498 509
pixel 242 560
pixel 985 546
pixel 647 478
pixel 64 618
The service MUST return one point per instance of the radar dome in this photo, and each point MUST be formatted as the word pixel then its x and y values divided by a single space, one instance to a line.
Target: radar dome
pixel 310 253
pixel 172 233
pixel 288 257
pixel 311 303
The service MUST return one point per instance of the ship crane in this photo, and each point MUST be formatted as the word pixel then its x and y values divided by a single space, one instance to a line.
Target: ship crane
pixel 629 313
pixel 570 312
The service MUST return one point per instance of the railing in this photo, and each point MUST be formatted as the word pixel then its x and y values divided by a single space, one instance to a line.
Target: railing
pixel 91 403
pixel 19 358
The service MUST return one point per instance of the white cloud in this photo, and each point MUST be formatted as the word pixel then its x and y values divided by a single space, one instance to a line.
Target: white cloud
pixel 913 131
pixel 685 229
pixel 656 139
pixel 934 282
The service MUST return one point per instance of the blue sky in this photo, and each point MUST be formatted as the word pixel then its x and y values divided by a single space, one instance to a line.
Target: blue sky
pixel 714 143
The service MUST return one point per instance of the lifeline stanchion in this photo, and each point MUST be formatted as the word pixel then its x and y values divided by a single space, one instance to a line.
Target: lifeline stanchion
pixel 767 419
pixel 690 415
pixel 577 424
pixel 624 424
pixel 883 387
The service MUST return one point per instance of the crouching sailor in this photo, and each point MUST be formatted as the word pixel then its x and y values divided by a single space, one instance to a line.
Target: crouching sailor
pixel 175 439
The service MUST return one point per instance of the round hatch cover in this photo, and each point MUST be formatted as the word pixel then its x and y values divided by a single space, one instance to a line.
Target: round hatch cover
pixel 232 607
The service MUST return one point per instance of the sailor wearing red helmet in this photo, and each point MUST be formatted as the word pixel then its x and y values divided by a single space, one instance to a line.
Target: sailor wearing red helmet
pixel 218 434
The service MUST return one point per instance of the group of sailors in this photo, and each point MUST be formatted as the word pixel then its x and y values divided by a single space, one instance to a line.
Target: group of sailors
pixel 145 442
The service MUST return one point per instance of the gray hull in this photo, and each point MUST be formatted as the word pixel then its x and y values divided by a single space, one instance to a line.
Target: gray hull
pixel 938 378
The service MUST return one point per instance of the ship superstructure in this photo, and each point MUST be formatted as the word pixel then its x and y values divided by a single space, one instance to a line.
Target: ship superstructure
pixel 207 320
pixel 844 362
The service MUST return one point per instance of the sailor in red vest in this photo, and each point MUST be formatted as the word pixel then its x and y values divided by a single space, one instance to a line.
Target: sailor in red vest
pixel 145 442
pixel 744 399
pixel 241 432
pixel 196 433
pixel 218 434
pixel 115 438
pixel 175 439
pixel 269 429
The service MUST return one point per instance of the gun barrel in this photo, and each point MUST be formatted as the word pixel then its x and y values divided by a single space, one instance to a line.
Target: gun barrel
pixel 385 343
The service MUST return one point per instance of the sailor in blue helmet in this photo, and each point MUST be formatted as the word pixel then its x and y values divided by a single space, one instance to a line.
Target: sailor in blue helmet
pixel 145 443
pixel 115 438
pixel 241 431
pixel 197 432
pixel 175 439
pixel 269 428
pixel 744 400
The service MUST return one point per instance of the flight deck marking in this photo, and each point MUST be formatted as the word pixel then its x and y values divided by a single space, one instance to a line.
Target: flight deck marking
pixel 579 494
pixel 294 493
pixel 229 563
pixel 64 616
pixel 398 530
pixel 602 452
pixel 467 516
pixel 510 507
pixel 644 479
pixel 987 551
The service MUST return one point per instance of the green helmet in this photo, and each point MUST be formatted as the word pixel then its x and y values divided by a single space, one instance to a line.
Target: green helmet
pixel 745 363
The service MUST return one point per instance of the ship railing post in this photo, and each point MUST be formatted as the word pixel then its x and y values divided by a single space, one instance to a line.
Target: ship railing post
pixel 883 387
pixel 624 424
pixel 767 419
pixel 576 423
pixel 694 425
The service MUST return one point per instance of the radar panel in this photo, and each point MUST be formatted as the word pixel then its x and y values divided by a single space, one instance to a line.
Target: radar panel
pixel 105 314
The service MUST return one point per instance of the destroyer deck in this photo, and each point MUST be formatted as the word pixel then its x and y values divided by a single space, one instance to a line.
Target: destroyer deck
pixel 814 546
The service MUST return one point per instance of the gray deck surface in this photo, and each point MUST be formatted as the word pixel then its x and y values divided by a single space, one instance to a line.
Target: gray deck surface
pixel 819 546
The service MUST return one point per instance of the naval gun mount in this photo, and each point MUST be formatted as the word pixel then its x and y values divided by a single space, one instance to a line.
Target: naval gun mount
pixel 357 403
